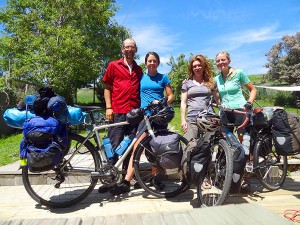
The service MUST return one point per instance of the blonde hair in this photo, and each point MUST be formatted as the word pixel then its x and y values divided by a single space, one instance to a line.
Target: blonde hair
pixel 226 54
pixel 207 71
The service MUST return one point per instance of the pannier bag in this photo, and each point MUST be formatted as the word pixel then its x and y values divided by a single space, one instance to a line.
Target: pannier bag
pixel 196 158
pixel 262 118
pixel 167 146
pixel 239 163
pixel 41 145
pixel 285 128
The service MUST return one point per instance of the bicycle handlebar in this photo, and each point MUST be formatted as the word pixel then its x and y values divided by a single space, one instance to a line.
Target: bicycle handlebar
pixel 160 103
pixel 248 114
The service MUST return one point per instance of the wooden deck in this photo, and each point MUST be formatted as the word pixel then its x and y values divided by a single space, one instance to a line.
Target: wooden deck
pixel 288 197
pixel 256 208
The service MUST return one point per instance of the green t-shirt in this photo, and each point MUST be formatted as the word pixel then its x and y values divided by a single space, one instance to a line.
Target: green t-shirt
pixel 231 90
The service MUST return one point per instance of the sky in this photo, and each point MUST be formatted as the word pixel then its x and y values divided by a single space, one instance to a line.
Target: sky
pixel 246 29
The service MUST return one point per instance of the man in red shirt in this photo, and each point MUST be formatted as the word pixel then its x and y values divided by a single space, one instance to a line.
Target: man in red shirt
pixel 121 94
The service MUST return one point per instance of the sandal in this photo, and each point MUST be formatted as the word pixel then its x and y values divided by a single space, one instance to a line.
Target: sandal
pixel 205 184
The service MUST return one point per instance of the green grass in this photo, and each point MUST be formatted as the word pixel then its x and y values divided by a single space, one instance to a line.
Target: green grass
pixel 85 96
pixel 10 148
pixel 176 122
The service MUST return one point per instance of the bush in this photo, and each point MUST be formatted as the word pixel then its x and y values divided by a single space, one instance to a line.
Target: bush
pixel 285 99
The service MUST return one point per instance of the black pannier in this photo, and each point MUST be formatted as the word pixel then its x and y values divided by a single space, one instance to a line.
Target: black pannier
pixel 285 128
pixel 196 158
pixel 262 118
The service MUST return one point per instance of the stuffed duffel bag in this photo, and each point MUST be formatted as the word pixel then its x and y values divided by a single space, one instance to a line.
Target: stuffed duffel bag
pixel 285 128
pixel 15 118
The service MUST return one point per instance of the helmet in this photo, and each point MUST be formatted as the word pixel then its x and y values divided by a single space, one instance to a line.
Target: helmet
pixel 207 122
pixel 135 116
pixel 164 116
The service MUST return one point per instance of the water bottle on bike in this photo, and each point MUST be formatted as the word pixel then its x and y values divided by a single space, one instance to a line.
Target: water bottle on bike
pixel 123 145
pixel 232 140
pixel 108 147
pixel 246 146
pixel 246 143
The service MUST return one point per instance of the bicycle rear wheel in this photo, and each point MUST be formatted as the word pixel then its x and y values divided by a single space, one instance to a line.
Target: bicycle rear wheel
pixel 269 167
pixel 161 185
pixel 216 185
pixel 60 188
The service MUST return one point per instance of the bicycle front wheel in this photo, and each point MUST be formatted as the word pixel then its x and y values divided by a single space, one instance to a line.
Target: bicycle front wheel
pixel 216 185
pixel 151 178
pixel 269 168
pixel 63 187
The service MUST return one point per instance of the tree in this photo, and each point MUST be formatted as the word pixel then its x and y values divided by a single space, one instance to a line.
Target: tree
pixel 284 60
pixel 66 43
pixel 178 72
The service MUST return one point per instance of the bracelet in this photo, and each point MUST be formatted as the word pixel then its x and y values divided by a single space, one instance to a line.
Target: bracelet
pixel 108 107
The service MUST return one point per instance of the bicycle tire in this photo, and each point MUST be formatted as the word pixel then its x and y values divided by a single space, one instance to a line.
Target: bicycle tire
pixel 173 184
pixel 270 173
pixel 76 180
pixel 215 188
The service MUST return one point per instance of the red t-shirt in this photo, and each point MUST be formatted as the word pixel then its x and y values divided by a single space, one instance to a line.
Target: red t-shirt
pixel 125 86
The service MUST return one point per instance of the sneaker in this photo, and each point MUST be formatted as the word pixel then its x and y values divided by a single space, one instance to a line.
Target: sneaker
pixel 121 188
pixel 206 184
pixel 157 183
pixel 135 184
pixel 249 167
pixel 105 188
pixel 245 187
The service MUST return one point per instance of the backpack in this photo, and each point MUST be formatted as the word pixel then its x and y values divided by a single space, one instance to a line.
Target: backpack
pixel 167 146
pixel 196 158
pixel 43 143
pixel 285 129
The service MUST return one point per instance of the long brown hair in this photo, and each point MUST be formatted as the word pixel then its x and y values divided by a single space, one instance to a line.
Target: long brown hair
pixel 207 71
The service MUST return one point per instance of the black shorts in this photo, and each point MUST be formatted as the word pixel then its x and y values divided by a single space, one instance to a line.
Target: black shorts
pixel 234 120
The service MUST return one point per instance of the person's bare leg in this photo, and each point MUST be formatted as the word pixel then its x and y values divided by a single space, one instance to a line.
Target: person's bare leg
pixel 130 169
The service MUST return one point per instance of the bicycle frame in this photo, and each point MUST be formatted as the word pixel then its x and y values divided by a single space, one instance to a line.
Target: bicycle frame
pixel 103 158
pixel 95 132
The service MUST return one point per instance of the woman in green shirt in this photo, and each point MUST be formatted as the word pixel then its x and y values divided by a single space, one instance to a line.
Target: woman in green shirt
pixel 229 84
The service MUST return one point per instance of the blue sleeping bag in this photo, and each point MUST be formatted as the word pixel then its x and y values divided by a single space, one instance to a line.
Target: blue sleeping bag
pixel 15 118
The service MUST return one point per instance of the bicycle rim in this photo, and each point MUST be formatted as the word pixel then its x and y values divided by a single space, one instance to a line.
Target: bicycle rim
pixel 145 162
pixel 215 187
pixel 70 186
pixel 270 173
